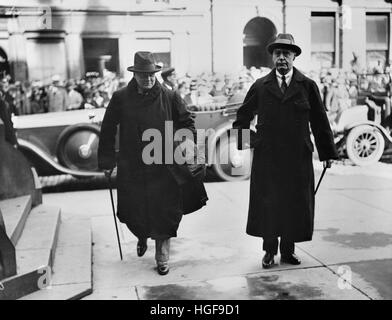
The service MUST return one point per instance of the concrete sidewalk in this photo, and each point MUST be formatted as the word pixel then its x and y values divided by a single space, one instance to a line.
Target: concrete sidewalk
pixel 213 258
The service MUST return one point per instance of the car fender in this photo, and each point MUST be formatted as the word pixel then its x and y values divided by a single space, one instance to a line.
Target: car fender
pixel 383 131
pixel 25 145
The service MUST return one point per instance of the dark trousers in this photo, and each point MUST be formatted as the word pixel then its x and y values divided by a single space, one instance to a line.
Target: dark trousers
pixel 271 246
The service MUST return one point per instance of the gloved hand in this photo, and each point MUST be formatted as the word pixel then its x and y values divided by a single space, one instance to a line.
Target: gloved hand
pixel 327 164
pixel 108 173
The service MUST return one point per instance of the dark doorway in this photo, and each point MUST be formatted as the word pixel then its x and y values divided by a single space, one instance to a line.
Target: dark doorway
pixel 258 33
pixel 101 53
pixel 4 64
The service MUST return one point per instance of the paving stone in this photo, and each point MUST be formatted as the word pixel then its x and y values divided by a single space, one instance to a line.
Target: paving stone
pixel 373 277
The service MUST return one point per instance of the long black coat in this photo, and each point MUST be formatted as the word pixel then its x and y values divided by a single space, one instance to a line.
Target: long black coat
pixel 5 116
pixel 282 177
pixel 150 197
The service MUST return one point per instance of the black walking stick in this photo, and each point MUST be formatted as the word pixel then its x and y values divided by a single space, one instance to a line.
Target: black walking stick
pixel 114 211
pixel 321 178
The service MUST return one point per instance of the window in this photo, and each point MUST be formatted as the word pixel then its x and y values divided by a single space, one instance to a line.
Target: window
pixel 45 58
pixel 160 47
pixel 323 30
pixel 101 53
pixel 377 41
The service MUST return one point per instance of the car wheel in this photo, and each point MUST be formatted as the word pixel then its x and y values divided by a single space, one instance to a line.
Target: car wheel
pixel 231 164
pixel 77 147
pixel 365 145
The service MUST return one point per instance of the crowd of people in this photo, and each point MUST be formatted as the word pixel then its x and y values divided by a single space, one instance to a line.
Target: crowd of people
pixel 204 92
pixel 339 89
pixel 36 97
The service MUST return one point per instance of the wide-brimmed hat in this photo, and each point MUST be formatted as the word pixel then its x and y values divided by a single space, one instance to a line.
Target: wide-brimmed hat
pixel 286 41
pixel 167 72
pixel 144 62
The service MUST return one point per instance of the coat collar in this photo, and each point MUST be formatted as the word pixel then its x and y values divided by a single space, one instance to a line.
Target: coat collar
pixel 155 90
pixel 273 86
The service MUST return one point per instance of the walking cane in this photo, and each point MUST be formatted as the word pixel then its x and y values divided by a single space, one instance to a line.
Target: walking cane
pixel 114 213
pixel 321 178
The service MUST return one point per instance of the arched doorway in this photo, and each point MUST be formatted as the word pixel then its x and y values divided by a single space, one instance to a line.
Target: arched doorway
pixel 4 64
pixel 258 32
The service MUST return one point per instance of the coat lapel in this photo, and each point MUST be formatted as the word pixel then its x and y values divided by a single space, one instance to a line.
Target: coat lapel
pixel 272 85
pixel 294 86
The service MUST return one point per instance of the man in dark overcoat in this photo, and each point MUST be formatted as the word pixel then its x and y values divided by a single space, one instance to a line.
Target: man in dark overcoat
pixel 282 179
pixel 150 193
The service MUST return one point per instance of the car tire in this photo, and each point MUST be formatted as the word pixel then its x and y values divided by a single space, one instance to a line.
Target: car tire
pixel 365 145
pixel 228 168
pixel 77 147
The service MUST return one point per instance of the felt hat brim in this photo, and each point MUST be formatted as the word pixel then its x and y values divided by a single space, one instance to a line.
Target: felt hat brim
pixel 271 47
pixel 155 68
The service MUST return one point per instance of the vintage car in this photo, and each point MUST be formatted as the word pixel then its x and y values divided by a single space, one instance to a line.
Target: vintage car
pixel 67 142
pixel 61 142
pixel 363 131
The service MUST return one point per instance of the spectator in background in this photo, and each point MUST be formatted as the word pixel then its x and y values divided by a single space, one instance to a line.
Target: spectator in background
pixel 57 96
pixel 218 88
pixel 183 89
pixel 242 85
pixel 158 74
pixel 87 90
pixel 75 99
pixel 98 100
pixel 38 99
pixel 228 86
pixel 338 99
pixel 203 96
pixel 353 90
pixel 27 92
pixel 103 90
pixel 8 95
pixel 192 96
pixel 169 78
pixel 378 83
pixel 11 99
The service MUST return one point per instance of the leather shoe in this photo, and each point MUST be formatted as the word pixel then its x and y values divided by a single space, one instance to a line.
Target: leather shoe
pixel 290 259
pixel 268 260
pixel 141 247
pixel 163 269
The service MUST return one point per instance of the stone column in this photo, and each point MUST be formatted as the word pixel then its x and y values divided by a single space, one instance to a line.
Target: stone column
pixel 17 51
pixel 74 47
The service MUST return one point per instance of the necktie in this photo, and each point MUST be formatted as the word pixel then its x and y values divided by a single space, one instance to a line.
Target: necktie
pixel 283 86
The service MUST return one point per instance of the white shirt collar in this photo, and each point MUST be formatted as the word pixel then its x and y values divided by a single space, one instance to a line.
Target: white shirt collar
pixel 288 76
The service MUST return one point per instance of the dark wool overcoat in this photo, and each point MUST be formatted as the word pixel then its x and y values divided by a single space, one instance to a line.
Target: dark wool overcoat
pixel 150 196
pixel 282 178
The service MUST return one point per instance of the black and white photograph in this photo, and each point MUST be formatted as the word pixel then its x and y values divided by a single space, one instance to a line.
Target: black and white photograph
pixel 204 151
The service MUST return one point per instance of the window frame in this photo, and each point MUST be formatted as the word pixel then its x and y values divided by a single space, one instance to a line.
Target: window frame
pixel 335 53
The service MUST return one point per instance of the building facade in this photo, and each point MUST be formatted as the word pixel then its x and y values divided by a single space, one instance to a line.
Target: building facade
pixel 41 38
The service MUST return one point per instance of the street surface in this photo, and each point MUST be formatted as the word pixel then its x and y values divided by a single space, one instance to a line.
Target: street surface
pixel 350 256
